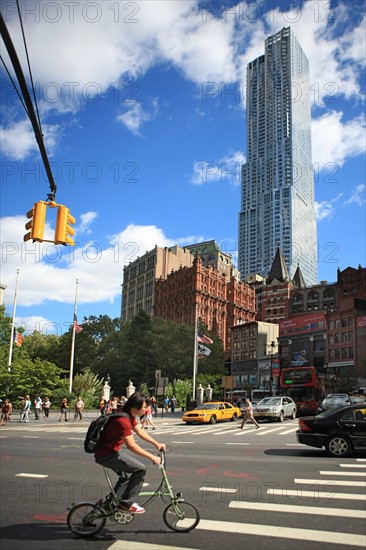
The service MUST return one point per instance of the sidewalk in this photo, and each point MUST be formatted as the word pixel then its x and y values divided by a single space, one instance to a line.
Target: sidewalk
pixel 89 416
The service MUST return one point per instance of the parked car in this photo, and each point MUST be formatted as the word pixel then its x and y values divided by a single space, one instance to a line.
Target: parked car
pixel 332 401
pixel 340 431
pixel 357 399
pixel 212 412
pixel 277 408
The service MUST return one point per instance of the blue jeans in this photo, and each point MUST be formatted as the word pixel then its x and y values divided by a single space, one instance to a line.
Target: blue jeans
pixel 131 473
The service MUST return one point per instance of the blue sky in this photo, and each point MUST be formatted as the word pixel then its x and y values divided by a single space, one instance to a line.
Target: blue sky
pixel 143 111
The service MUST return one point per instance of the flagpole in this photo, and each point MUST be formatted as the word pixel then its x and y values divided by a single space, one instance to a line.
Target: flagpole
pixel 195 355
pixel 73 339
pixel 13 322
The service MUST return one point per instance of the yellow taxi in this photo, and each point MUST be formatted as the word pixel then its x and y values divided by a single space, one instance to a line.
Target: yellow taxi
pixel 212 412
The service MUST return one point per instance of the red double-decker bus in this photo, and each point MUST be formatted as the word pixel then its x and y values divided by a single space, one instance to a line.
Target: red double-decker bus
pixel 304 386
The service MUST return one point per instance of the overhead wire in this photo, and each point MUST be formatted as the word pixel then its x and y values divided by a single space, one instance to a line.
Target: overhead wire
pixel 29 67
pixel 28 104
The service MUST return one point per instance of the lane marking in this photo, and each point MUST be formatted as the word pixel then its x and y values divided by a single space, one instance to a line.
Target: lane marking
pixel 217 489
pixel 353 466
pixel 338 473
pixel 322 483
pixel 317 494
pixel 295 509
pixel 346 539
pixel 183 442
pixel 31 475
pixel 133 545
pixel 233 443
pixel 30 436
pixel 292 430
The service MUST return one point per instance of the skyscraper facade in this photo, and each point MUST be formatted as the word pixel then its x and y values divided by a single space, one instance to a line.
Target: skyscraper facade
pixel 277 196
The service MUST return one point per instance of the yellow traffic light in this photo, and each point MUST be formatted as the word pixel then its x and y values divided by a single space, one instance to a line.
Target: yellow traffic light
pixel 37 218
pixel 63 229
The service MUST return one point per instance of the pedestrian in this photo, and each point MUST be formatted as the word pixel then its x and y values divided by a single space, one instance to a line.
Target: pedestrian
pixel 173 403
pixel 154 405
pixel 6 411
pixel 79 407
pixel 110 453
pixel 102 406
pixel 166 403
pixel 248 409
pixel 46 405
pixel 37 407
pixel 148 418
pixel 123 400
pixel 26 408
pixel 63 408
pixel 114 404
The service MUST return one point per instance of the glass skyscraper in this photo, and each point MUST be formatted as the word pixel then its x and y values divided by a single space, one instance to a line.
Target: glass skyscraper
pixel 277 197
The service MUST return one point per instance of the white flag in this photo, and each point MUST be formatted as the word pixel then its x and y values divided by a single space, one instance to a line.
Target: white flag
pixel 203 350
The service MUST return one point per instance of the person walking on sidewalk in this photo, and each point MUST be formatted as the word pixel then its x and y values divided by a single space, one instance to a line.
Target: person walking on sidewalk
pixel 79 407
pixel 6 411
pixel 63 409
pixel 37 407
pixel 46 405
pixel 249 414
pixel 26 407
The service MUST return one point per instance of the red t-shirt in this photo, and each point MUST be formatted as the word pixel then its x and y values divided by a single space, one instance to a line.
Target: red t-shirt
pixel 114 434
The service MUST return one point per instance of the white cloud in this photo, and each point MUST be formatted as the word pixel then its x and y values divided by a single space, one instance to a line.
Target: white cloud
pixel 18 140
pixel 325 209
pixel 333 141
pixel 225 169
pixel 48 272
pixel 358 196
pixel 40 324
pixel 135 116
pixel 92 53
pixel 85 222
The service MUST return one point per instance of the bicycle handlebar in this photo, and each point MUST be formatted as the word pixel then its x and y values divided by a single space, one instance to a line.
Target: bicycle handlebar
pixel 161 453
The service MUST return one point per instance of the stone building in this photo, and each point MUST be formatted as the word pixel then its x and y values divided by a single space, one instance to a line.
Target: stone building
pixel 139 278
pixel 220 303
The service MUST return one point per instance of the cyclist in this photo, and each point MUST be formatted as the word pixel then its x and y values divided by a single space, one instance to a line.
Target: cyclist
pixel 110 452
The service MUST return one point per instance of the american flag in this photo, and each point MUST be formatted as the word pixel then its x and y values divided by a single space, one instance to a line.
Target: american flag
pixel 78 328
pixel 203 339
pixel 18 338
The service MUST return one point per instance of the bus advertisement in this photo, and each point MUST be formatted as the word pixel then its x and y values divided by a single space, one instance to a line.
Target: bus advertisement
pixel 304 386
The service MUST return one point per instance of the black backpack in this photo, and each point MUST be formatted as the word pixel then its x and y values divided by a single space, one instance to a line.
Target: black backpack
pixel 95 430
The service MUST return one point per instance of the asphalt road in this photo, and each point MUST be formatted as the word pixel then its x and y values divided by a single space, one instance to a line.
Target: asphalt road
pixel 253 488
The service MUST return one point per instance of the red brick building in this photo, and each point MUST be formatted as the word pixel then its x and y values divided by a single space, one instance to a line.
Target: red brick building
pixel 220 304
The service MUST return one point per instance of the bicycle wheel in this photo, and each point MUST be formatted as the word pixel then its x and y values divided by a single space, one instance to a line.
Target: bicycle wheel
pixel 181 516
pixel 84 520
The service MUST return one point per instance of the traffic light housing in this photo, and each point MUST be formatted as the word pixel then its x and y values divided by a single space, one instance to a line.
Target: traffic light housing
pixel 64 230
pixel 37 219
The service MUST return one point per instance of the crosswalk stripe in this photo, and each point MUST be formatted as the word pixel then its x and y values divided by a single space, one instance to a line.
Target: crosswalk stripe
pixel 333 482
pixel 317 494
pixel 133 545
pixel 346 539
pixel 293 429
pixel 353 466
pixel 297 509
pixel 338 473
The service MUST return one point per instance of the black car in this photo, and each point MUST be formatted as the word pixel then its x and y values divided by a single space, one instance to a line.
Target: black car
pixel 340 430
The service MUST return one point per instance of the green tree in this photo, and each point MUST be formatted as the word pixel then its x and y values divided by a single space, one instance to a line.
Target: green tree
pixel 89 386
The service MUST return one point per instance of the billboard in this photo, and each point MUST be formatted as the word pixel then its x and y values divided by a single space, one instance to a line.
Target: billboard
pixel 303 324
pixel 361 321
